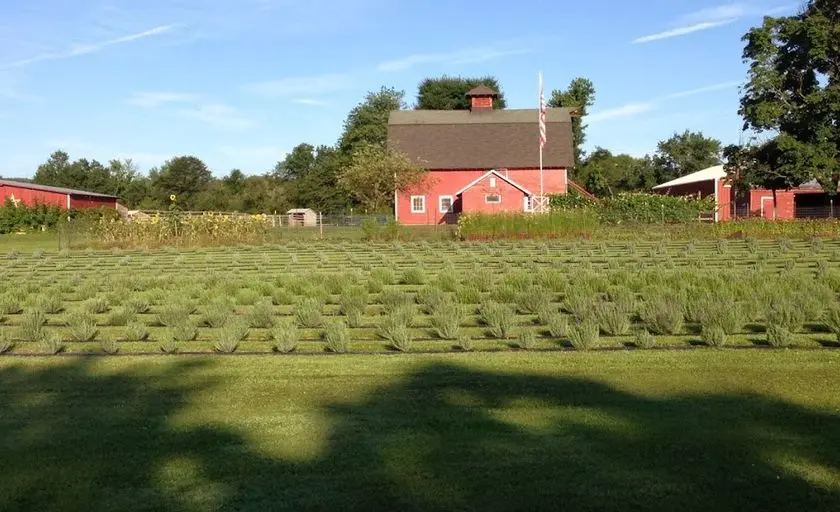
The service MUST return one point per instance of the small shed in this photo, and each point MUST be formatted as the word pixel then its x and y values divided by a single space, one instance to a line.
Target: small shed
pixel 302 217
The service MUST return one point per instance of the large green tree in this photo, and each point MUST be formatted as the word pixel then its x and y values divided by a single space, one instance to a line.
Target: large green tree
pixel 83 174
pixel 367 123
pixel 685 153
pixel 182 176
pixel 793 93
pixel 449 92
pixel 580 94
pixel 375 172
pixel 605 174
pixel 309 177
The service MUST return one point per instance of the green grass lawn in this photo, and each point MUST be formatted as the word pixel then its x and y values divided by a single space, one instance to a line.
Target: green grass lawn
pixel 29 242
pixel 658 430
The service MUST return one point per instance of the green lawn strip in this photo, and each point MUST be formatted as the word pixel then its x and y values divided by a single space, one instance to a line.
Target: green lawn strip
pixel 654 430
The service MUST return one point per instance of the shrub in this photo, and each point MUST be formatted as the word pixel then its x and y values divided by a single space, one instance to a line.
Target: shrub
pixel 401 339
pixel 185 330
pixel 50 304
pixel 533 299
pixel 262 315
pixel 285 336
pixel 785 313
pixel 10 304
pixel 465 343
pixel 352 304
pixel 414 276
pixel 217 313
pixel 121 316
pixel 397 321
pixel 51 345
pixel 644 339
pixel 82 327
pixel 383 275
pixel 247 297
pixel 713 335
pixel 504 294
pixel 136 331
pixel 499 318
pixel 779 336
pixel 579 303
pixel 174 313
pixel 482 279
pixel 169 345
pixel 662 316
pixel 394 299
pixel 584 335
pixel 282 296
pixel 6 343
pixel 97 305
pixel 527 339
pixel 612 320
pixel 446 322
pixel 468 294
pixel 558 325
pixel 337 337
pixel 432 299
pixel 32 326
pixel 109 347
pixel 309 312
pixel 831 318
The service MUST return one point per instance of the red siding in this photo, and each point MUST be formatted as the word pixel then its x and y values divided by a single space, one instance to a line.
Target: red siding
pixel 92 202
pixel 448 182
pixel 474 198
pixel 29 196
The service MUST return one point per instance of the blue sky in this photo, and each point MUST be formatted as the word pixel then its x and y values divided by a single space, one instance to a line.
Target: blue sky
pixel 239 83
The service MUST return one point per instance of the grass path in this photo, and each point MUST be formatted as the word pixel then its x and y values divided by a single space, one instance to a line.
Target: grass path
pixel 705 430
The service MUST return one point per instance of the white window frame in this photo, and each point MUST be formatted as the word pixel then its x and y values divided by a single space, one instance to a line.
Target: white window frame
pixel 528 204
pixel 451 204
pixel 422 209
pixel 492 182
pixel 486 201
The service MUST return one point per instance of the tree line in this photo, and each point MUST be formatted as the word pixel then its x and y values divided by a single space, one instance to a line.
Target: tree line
pixel 358 171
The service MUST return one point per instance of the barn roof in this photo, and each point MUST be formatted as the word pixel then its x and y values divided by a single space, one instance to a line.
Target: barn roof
pixel 57 190
pixel 461 139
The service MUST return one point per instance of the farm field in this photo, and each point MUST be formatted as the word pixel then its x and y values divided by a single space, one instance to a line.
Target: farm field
pixel 654 430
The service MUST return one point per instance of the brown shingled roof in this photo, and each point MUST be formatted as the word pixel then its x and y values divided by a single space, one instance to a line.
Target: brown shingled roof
pixel 481 90
pixel 460 139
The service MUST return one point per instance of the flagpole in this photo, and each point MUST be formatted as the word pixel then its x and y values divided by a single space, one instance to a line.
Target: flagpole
pixel 540 114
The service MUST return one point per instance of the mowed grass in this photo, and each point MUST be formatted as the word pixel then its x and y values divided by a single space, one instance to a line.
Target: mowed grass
pixel 631 430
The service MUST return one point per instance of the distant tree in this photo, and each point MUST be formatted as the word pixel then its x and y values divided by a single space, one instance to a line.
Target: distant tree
pixel 184 177
pixel 297 164
pixel 449 93
pixel 367 123
pixel 685 153
pixel 83 174
pixel 55 171
pixel 606 174
pixel 793 92
pixel 375 172
pixel 235 181
pixel 580 94
pixel 309 178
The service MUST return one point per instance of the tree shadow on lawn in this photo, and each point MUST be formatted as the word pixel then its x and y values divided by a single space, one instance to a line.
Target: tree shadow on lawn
pixel 445 438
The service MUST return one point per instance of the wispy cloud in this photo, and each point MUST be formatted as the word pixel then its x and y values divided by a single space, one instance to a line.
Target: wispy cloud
pixel 459 57
pixel 86 49
pixel 311 101
pixel 294 86
pixel 636 108
pixel 710 18
pixel 156 99
pixel 218 116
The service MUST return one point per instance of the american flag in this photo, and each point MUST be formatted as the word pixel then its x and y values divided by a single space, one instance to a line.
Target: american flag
pixel 542 114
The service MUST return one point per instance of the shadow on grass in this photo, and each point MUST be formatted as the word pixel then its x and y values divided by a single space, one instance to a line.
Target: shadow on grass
pixel 444 438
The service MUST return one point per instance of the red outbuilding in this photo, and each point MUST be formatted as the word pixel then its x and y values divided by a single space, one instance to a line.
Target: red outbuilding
pixel 480 160
pixel 30 193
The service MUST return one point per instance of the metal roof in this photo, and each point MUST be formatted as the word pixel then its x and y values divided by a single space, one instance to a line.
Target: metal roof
pixel 712 173
pixel 57 190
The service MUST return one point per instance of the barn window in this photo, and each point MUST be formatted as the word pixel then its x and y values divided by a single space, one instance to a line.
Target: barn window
pixel 418 204
pixel 492 182
pixel 492 199
pixel 445 204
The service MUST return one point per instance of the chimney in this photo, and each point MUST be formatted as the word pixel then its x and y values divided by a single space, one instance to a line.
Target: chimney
pixel 481 99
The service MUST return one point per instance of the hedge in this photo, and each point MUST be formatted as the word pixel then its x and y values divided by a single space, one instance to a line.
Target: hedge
pixel 40 216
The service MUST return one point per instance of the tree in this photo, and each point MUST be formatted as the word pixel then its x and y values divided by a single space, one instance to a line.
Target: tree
pixel 685 153
pixel 793 91
pixel 298 162
pixel 375 172
pixel 580 95
pixel 235 181
pixel 449 93
pixel 367 123
pixel 309 177
pixel 184 177
pixel 606 174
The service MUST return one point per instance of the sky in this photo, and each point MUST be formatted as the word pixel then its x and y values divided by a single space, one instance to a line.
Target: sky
pixel 239 83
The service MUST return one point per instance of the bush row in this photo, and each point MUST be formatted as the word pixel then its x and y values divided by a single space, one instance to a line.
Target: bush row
pixel 14 218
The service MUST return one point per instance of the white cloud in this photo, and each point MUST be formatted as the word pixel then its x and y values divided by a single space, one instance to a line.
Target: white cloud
pixel 311 101
pixel 292 86
pixel 459 57
pixel 219 116
pixel 89 48
pixel 710 18
pixel 632 109
pixel 155 99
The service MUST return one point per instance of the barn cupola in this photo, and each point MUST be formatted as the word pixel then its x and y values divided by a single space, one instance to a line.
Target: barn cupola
pixel 481 99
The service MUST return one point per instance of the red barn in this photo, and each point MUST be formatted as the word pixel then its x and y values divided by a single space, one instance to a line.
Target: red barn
pixel 30 193
pixel 480 160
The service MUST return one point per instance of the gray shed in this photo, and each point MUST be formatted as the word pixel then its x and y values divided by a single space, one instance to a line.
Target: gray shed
pixel 302 217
